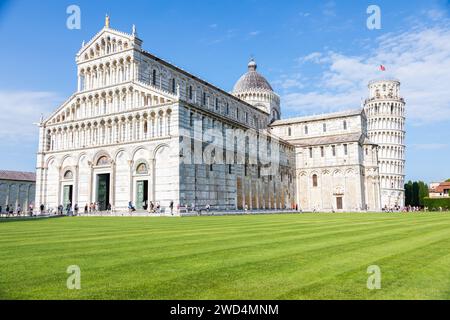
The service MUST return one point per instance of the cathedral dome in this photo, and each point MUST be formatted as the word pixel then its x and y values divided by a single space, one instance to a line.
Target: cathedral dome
pixel 252 81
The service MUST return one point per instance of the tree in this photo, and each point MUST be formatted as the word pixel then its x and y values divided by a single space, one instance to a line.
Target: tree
pixel 423 192
pixel 408 193
pixel 448 180
pixel 415 194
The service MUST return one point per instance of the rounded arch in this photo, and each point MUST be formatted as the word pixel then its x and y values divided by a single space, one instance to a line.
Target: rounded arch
pixel 137 149
pixel 99 155
pixel 67 174
pixel 50 159
pixel 141 167
pixel 119 151
pixel 159 147
pixel 67 161
pixel 302 174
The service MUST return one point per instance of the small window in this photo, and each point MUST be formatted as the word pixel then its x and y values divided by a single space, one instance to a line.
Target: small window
pixel 204 98
pixel 142 169
pixel 211 167
pixel 191 119
pixel 245 170
pixel 310 152
pixel 333 150
pixel 345 149
pixel 229 169
pixel 289 131
pixel 102 161
pixel 154 77
pixel 190 92
pixel 345 125
pixel 314 180
pixel 324 127
pixel 322 152
pixel 68 175
pixel 217 104
pixel 306 129
pixel 174 86
pixel 227 109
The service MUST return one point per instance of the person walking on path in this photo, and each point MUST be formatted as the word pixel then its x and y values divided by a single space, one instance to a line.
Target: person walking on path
pixel 171 207
pixel 131 208
pixel 68 208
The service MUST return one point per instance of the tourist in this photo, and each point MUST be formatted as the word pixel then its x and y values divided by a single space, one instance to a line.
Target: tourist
pixel 68 208
pixel 152 207
pixel 108 208
pixel 86 208
pixel 42 207
pixel 19 210
pixel 75 209
pixel 131 208
pixel 208 207
pixel 171 207
pixel 1 210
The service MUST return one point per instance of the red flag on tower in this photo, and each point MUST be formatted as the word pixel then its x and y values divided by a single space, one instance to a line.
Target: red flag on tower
pixel 382 68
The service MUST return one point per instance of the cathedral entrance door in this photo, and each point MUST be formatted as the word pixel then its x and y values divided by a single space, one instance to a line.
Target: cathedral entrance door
pixel 67 195
pixel 142 194
pixel 103 191
pixel 339 205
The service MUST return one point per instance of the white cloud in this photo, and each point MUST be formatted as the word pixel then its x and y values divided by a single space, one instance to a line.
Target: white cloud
pixel 435 14
pixel 329 9
pixel 429 146
pixel 254 33
pixel 419 58
pixel 315 57
pixel 20 109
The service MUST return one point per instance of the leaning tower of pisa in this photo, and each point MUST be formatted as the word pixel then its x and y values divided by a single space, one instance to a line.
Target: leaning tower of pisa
pixel 385 111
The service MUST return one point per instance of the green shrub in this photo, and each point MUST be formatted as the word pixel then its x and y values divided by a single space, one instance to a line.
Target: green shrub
pixel 433 204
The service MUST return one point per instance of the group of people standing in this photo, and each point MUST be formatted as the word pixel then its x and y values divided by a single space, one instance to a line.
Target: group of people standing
pixel 153 207
pixel 17 211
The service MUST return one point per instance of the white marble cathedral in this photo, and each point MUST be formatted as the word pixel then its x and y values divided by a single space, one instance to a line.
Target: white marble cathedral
pixel 118 139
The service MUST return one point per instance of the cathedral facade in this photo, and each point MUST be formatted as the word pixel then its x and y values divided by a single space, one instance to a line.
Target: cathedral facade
pixel 141 130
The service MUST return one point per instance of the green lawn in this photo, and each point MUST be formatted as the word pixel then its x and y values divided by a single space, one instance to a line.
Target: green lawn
pixel 302 256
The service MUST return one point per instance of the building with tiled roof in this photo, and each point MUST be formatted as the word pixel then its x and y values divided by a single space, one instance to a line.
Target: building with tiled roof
pixel 17 190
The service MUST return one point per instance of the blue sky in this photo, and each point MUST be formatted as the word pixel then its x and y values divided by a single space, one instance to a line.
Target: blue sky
pixel 318 56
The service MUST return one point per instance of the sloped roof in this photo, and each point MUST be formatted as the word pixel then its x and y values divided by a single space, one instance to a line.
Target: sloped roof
pixel 17 175
pixel 441 187
pixel 318 117
pixel 342 138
